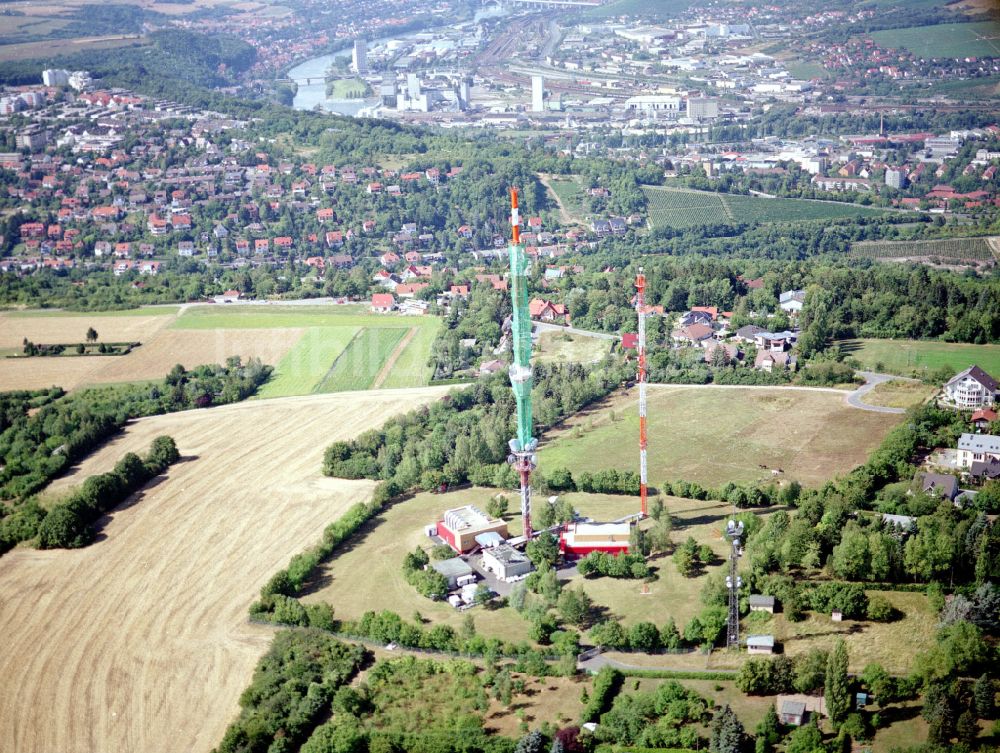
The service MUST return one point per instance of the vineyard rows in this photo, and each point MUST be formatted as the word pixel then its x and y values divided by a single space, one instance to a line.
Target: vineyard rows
pixel 678 207
pixel 964 249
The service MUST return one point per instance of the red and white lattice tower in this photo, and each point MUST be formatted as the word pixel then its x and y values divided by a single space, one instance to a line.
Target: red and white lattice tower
pixel 640 309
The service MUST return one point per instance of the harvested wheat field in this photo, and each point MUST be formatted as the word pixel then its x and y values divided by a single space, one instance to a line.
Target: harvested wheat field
pixel 194 347
pixel 39 373
pixel 140 642
pixel 60 328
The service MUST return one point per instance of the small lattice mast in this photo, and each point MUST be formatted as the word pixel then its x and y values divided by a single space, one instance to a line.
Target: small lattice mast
pixel 640 309
pixel 522 446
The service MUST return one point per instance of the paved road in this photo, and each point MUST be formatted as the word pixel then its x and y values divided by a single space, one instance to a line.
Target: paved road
pixel 594 663
pixel 856 398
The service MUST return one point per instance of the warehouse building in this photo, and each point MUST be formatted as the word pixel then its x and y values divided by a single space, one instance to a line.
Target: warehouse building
pixel 580 539
pixel 462 525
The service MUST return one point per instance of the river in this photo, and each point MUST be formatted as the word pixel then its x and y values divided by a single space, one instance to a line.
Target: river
pixel 310 95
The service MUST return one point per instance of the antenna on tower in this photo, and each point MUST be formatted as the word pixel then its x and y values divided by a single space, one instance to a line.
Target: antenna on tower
pixel 640 309
pixel 523 446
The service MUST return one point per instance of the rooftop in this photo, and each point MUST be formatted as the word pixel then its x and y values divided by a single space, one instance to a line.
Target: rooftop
pixel 455 567
pixel 507 555
pixel 470 516
pixel 979 375
pixel 979 443
pixel 761 640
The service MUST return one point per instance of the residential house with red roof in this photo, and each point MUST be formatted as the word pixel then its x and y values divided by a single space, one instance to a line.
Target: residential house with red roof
pixel 383 303
pixel 548 311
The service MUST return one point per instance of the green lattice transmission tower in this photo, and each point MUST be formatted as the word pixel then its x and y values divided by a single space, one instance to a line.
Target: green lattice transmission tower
pixel 524 444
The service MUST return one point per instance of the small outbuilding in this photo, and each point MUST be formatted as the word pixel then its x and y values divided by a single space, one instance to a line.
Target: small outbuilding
pixel 506 562
pixel 759 603
pixel 760 644
pixel 837 616
pixel 792 713
pixel 453 570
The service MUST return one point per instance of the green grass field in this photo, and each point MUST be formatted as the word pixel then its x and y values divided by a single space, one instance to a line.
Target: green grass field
pixel 342 347
pixel 560 347
pixel 806 70
pixel 378 554
pixel 308 362
pixel 357 366
pixel 412 368
pixel 569 191
pixel 899 394
pixel 272 316
pixel 348 88
pixel 712 435
pixel 908 357
pixel 892 644
pixel 944 40
pixel 682 207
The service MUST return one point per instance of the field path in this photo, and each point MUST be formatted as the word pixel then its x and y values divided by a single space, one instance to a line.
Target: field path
pixel 564 216
pixel 141 642
pixel 393 357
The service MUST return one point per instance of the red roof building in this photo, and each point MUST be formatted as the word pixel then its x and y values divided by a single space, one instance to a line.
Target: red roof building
pixel 580 539
pixel 383 303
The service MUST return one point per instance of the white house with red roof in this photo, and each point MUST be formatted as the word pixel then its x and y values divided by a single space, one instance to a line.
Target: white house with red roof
pixel 383 303
pixel 548 311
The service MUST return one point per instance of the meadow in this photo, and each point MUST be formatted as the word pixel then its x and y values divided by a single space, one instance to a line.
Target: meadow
pixel 561 347
pixel 919 357
pixel 358 365
pixel 899 394
pixel 382 543
pixel 944 40
pixel 569 195
pixel 682 207
pixel 713 435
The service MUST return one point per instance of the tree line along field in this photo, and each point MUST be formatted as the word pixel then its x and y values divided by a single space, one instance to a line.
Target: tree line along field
pixel 713 435
pixel 684 207
pixel 102 644
pixel 980 39
pixel 920 357
pixel 314 348
pixel 959 249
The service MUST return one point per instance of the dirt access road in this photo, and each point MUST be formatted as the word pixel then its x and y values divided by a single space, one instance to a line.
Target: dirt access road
pixel 140 641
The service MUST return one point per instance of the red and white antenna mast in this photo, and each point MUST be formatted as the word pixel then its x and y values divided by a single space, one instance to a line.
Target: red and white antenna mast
pixel 640 310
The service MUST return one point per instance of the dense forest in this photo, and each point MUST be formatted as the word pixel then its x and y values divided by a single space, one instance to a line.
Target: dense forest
pixel 464 436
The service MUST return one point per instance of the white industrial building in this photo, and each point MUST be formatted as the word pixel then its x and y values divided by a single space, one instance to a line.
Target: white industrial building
pixel 537 94
pixel 655 104
pixel 506 562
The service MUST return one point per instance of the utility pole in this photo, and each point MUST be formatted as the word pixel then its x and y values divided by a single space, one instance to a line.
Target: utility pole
pixel 734 532
pixel 523 446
